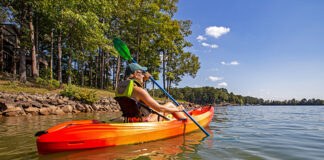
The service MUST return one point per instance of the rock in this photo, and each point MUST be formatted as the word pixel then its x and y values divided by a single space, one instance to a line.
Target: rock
pixel 59 111
pixel 29 100
pixel 75 111
pixel 26 105
pixel 36 104
pixel 67 109
pixel 32 110
pixel 80 107
pixel 52 97
pixel 19 97
pixel 65 98
pixel 60 101
pixel 88 108
pixel 73 103
pixel 96 107
pixel 44 111
pixel 52 109
pixel 40 99
pixel 53 102
pixel 13 111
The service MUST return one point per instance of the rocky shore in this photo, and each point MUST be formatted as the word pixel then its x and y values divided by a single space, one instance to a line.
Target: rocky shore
pixel 13 104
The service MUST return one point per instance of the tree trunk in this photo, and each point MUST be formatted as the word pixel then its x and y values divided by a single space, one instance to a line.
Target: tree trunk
pixel 101 68
pixel 22 66
pixel 117 71
pixel 70 68
pixel 82 73
pixel 114 73
pixel 107 77
pixel 96 75
pixel 90 71
pixel 15 57
pixel 22 49
pixel 33 51
pixel 163 68
pixel 59 47
pixel 1 50
pixel 37 44
pixel 51 56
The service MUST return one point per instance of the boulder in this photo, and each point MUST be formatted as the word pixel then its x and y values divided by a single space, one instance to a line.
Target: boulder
pixel 40 99
pixel 29 100
pixel 52 109
pixel 19 98
pixel 75 111
pixel 13 111
pixel 26 105
pixel 88 108
pixel 80 107
pixel 96 107
pixel 59 112
pixel 36 104
pixel 67 109
pixel 73 103
pixel 60 101
pixel 32 111
pixel 44 111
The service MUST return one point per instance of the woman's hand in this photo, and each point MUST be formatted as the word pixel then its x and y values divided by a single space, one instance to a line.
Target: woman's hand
pixel 180 108
pixel 147 76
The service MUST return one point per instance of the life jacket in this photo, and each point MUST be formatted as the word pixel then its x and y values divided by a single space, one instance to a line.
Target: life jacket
pixel 125 89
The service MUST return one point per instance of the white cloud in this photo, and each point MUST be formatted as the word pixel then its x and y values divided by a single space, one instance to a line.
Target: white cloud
pixel 222 84
pixel 209 45
pixel 201 38
pixel 213 69
pixel 216 32
pixel 233 63
pixel 212 78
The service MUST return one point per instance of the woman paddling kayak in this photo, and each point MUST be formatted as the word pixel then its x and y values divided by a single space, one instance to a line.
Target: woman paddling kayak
pixel 132 87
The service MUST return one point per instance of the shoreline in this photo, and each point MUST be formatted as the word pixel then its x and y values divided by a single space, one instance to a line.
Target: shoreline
pixel 25 104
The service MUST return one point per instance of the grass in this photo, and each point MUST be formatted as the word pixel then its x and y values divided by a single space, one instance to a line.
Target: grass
pixel 31 87
pixel 34 88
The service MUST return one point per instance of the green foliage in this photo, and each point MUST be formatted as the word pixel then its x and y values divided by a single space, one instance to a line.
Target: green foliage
pixel 84 95
pixel 69 91
pixel 48 83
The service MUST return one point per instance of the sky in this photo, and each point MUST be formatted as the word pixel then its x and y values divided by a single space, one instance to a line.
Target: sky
pixel 270 49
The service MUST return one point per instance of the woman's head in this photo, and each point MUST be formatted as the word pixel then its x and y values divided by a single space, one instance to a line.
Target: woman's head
pixel 135 71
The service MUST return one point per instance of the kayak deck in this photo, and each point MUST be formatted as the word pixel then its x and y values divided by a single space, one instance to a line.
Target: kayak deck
pixel 86 134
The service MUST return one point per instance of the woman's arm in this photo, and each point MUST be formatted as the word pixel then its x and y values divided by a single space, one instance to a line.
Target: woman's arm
pixel 142 94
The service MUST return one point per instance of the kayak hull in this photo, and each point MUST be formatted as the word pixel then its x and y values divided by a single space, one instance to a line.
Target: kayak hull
pixel 86 134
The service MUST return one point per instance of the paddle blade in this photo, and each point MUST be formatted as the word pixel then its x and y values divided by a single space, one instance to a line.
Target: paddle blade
pixel 122 49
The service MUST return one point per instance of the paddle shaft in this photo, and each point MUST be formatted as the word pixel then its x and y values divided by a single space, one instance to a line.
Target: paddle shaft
pixel 177 103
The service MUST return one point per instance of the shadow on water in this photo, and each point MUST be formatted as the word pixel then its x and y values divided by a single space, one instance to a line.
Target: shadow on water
pixel 176 147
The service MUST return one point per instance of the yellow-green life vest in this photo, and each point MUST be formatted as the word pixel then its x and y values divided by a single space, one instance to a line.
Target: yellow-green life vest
pixel 125 88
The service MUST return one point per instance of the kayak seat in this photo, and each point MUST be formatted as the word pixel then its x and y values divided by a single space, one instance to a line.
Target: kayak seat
pixel 132 108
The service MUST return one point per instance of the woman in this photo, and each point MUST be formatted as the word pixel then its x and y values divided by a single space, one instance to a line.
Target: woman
pixel 133 88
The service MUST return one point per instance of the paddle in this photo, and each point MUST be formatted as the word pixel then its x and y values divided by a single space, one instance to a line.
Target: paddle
pixel 123 51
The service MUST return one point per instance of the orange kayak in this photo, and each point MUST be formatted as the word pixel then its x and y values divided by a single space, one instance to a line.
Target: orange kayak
pixel 86 134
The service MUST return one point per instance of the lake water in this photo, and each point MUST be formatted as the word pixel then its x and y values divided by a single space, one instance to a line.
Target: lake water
pixel 238 132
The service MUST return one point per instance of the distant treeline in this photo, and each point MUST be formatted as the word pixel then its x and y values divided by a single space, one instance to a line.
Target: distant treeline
pixel 210 95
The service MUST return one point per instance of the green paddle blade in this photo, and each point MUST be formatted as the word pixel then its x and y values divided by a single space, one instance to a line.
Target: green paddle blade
pixel 122 49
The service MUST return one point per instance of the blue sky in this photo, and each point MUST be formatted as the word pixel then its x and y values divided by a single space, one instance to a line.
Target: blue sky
pixel 271 49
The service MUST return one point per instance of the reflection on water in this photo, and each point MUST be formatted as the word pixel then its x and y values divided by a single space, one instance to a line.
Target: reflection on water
pixel 238 132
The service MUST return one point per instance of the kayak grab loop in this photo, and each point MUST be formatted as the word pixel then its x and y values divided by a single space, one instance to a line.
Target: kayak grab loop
pixel 39 133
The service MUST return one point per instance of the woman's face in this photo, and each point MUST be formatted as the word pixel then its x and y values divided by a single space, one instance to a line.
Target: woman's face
pixel 139 75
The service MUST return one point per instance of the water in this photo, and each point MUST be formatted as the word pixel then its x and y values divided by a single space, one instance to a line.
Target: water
pixel 238 132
